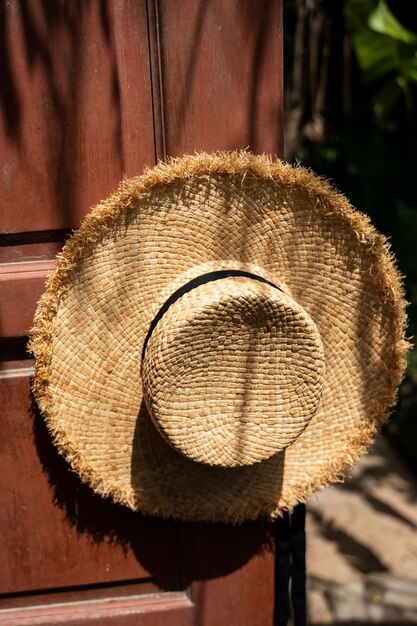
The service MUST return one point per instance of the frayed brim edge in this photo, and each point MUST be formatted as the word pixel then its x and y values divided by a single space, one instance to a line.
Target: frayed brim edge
pixel 101 220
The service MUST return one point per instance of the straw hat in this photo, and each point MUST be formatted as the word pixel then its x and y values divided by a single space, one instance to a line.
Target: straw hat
pixel 220 338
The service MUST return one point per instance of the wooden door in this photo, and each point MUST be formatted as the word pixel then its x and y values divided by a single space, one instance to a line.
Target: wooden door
pixel 90 91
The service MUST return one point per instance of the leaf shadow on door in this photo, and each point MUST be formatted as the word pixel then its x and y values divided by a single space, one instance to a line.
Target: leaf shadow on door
pixel 46 51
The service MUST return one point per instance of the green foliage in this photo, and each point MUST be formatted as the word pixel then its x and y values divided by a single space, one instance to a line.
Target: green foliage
pixel 386 52
pixel 381 20
pixel 381 152
pixel 369 148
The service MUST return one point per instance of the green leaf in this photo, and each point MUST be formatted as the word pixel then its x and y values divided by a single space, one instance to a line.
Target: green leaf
pixel 381 20
pixel 377 54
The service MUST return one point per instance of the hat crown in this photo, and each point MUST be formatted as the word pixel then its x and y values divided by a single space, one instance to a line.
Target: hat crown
pixel 233 371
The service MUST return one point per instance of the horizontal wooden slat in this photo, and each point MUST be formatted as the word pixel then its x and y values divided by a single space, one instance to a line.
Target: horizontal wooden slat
pixel 100 591
pixel 21 285
pixel 16 369
pixel 20 271
pixel 162 609
pixel 13 349
pixel 29 247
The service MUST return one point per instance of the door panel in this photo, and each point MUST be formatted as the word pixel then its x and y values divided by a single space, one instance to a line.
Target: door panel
pixel 92 90
pixel 77 107
pixel 220 67
pixel 231 572
pixel 46 511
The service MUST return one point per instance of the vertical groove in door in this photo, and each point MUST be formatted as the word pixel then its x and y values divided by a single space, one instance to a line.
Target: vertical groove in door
pixel 154 42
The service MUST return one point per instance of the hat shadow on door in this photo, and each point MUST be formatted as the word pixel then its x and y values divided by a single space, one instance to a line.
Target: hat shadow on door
pixel 201 550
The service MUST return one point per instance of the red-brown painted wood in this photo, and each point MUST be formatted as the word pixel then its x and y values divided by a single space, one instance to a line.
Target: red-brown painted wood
pixel 243 596
pixel 21 283
pixel 76 110
pixel 56 533
pixel 221 72
pixel 159 609
pixel 29 252
pixel 90 91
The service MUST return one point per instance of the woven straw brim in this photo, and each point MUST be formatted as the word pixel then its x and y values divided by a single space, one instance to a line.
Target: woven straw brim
pixel 175 222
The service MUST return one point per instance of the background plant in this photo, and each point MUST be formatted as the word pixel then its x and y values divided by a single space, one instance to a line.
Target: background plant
pixel 351 93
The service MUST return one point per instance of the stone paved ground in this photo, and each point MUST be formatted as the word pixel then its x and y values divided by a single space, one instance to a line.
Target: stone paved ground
pixel 362 545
